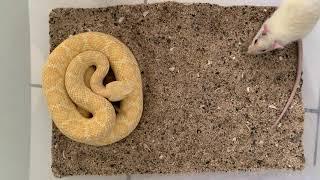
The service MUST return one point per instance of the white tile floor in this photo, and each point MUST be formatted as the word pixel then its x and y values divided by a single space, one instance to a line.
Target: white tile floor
pixel 40 123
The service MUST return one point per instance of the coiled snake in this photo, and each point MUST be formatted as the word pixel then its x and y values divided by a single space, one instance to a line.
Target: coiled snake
pixel 70 92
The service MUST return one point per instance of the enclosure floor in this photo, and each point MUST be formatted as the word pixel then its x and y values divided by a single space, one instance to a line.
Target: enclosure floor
pixel 208 106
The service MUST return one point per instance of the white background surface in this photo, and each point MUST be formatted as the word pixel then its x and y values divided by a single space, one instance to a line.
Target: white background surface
pixel 41 124
pixel 15 90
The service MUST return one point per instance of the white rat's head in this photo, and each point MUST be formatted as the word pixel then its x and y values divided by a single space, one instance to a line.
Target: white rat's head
pixel 264 41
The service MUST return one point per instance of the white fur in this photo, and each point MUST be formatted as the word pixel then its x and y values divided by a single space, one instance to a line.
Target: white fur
pixel 292 21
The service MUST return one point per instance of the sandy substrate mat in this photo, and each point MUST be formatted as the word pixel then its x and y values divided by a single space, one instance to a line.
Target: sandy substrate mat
pixel 208 106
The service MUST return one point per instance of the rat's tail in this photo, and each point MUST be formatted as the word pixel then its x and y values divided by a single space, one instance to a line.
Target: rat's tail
pixel 296 84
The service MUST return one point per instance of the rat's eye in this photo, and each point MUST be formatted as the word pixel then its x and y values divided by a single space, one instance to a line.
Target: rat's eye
pixel 263 34
pixel 255 41
pixel 264 50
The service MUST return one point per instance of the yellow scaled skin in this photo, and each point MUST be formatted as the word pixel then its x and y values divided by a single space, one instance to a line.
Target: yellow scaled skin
pixel 69 93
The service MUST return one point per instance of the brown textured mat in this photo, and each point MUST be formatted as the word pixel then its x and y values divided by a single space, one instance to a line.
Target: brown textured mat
pixel 207 105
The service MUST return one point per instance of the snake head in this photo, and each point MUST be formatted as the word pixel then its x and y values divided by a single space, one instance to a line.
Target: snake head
pixel 118 90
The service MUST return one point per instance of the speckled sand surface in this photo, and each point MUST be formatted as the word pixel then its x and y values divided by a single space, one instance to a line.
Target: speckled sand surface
pixel 207 105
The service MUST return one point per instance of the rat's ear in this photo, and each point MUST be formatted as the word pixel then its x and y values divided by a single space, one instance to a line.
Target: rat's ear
pixel 265 29
pixel 276 45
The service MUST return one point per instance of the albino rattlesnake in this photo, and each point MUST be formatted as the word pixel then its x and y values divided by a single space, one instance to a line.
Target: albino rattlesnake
pixel 66 85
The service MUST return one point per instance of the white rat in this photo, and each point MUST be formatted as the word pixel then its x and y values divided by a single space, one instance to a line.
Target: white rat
pixel 292 21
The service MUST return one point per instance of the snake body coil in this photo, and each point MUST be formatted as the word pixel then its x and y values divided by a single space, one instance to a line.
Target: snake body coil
pixel 72 87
